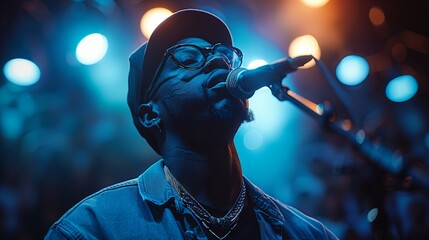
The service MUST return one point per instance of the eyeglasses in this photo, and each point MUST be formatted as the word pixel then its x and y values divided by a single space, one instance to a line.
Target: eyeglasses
pixel 193 57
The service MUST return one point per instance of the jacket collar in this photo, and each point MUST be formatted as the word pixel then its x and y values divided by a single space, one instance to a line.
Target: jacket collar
pixel 264 203
pixel 154 187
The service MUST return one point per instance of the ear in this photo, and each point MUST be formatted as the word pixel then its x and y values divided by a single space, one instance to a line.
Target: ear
pixel 148 116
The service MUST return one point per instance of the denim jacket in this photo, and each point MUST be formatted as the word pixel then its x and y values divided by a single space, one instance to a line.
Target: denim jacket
pixel 149 208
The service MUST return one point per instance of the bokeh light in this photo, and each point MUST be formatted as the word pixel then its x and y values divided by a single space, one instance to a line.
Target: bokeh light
pixel 305 45
pixel 91 49
pixel 372 214
pixel 253 139
pixel 151 19
pixel 21 72
pixel 315 3
pixel 402 88
pixel 352 70
pixel 376 16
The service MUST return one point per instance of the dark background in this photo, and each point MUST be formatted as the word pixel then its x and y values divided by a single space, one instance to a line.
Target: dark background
pixel 71 133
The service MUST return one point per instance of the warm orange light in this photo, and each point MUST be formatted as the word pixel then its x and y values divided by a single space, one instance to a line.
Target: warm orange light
pixel 376 16
pixel 309 104
pixel 151 19
pixel 305 45
pixel 346 125
pixel 315 3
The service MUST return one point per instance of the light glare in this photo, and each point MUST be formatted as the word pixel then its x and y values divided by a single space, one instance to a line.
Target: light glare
pixel 352 70
pixel 21 72
pixel 91 49
pixel 305 45
pixel 256 63
pixel 315 3
pixel 401 88
pixel 267 119
pixel 151 19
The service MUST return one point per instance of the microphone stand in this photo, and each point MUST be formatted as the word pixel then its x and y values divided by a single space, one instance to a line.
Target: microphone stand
pixel 391 162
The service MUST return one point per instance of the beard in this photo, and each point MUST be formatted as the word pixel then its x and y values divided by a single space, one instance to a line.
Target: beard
pixel 207 112
pixel 228 111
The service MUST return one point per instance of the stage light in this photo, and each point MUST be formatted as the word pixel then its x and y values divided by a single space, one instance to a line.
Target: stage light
pixel 151 19
pixel 256 63
pixel 315 3
pixel 402 88
pixel 305 45
pixel 91 49
pixel 21 72
pixel 352 70
pixel 376 16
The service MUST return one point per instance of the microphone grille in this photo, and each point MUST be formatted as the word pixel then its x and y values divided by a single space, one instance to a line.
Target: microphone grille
pixel 232 84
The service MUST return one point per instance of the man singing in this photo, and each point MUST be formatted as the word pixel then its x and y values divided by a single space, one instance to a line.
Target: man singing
pixel 180 105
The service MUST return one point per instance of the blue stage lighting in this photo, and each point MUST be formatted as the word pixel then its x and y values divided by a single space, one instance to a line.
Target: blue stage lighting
pixel 402 88
pixel 91 49
pixel 352 70
pixel 21 72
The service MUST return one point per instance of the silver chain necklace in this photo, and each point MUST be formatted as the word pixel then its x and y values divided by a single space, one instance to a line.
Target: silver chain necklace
pixel 229 221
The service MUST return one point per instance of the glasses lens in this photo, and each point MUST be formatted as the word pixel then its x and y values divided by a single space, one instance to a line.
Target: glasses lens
pixel 189 56
pixel 230 53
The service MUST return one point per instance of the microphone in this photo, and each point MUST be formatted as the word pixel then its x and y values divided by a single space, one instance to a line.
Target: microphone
pixel 242 83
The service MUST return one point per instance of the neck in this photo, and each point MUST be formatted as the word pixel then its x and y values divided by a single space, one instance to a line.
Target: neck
pixel 211 174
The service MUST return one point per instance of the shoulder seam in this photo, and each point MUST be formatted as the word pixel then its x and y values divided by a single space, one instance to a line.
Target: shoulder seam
pixel 124 184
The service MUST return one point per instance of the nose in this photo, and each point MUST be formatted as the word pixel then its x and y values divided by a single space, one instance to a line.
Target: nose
pixel 216 62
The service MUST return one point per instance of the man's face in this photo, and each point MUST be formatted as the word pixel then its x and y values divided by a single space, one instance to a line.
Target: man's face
pixel 198 99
